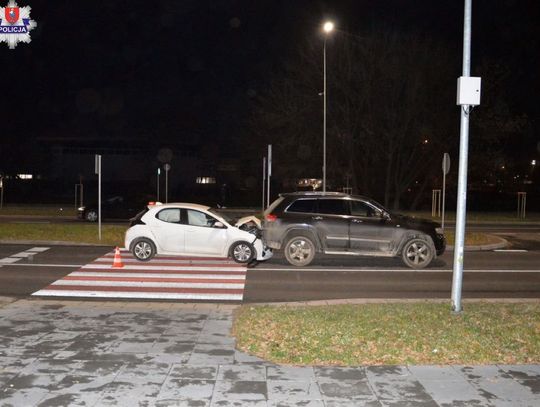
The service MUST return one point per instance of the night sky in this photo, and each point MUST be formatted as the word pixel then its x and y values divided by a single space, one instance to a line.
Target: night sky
pixel 191 70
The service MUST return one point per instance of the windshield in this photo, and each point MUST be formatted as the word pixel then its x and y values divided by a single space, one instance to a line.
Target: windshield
pixel 221 215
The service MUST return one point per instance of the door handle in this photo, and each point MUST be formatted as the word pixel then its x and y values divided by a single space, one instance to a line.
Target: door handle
pixel 317 218
pixel 357 221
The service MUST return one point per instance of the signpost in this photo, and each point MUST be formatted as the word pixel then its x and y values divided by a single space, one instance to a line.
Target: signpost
pixel 98 172
pixel 1 192
pixel 158 172
pixel 263 181
pixel 445 170
pixel 167 167
pixel 269 174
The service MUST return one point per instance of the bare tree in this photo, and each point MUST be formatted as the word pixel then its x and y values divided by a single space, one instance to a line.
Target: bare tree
pixel 389 111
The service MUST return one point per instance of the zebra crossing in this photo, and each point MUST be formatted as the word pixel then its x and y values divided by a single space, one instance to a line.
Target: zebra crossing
pixel 163 277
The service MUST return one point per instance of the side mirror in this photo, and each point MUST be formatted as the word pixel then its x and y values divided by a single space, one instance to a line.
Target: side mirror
pixel 385 215
pixel 219 225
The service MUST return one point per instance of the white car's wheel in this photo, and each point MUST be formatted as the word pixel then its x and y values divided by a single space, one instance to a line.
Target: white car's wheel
pixel 242 252
pixel 143 249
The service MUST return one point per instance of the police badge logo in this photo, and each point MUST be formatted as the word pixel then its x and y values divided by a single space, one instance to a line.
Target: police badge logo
pixel 15 24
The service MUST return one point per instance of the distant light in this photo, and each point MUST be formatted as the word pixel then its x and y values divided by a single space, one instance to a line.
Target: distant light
pixel 25 176
pixel 328 26
pixel 426 141
pixel 533 162
pixel 205 180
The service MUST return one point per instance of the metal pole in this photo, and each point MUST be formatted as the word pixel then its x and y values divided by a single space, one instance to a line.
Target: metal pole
pixel 1 192
pixel 324 118
pixel 457 278
pixel 263 181
pixel 269 175
pixel 443 197
pixel 166 186
pixel 158 171
pixel 99 196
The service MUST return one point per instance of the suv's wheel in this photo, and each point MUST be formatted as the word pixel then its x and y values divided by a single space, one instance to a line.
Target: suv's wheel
pixel 91 216
pixel 143 249
pixel 242 252
pixel 299 251
pixel 417 253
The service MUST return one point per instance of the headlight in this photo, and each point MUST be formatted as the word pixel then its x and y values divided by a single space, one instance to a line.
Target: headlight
pixel 440 231
pixel 81 209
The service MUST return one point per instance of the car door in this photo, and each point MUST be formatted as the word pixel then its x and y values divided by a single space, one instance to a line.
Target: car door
pixel 332 223
pixel 366 228
pixel 202 237
pixel 169 231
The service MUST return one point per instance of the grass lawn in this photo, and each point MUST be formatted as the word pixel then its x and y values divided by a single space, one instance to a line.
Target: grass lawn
pixel 405 333
pixel 472 238
pixel 81 233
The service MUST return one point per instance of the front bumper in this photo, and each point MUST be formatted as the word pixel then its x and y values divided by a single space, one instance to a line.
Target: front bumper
pixel 440 244
pixel 263 251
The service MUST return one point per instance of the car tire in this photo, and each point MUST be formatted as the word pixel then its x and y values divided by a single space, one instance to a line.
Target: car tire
pixel 299 251
pixel 242 252
pixel 143 249
pixel 91 215
pixel 418 253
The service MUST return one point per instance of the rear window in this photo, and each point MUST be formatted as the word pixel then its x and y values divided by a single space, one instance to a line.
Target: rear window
pixel 274 205
pixel 303 206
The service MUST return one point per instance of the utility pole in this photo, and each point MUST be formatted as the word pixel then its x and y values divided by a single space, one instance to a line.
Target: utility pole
pixel 468 96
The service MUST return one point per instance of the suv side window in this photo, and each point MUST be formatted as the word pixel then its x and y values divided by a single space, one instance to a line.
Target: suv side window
pixel 333 207
pixel 359 208
pixel 303 206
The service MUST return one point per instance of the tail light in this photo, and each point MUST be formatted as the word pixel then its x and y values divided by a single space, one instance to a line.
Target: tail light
pixel 271 217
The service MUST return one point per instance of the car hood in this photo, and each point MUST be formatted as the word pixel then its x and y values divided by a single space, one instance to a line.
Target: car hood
pixel 247 219
pixel 414 223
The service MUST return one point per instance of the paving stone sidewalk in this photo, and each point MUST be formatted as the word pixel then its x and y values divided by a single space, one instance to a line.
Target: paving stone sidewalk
pixel 77 353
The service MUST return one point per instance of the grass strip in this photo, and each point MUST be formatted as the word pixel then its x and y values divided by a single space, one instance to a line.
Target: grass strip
pixel 472 238
pixel 389 334
pixel 112 235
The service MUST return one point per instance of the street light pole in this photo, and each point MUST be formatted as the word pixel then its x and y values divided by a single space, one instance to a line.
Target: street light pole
pixel 328 27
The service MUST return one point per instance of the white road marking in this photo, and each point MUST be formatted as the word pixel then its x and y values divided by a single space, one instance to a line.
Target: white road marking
pixel 149 267
pixel 44 265
pixel 9 260
pixel 90 274
pixel 511 250
pixel 147 284
pixel 38 249
pixel 140 295
pixel 404 270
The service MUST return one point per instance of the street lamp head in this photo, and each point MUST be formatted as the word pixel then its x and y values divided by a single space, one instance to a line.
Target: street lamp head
pixel 328 27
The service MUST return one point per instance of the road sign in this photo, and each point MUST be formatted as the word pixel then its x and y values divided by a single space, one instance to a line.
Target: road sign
pixel 446 163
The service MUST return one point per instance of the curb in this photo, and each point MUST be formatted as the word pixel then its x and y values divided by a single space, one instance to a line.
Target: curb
pixel 493 246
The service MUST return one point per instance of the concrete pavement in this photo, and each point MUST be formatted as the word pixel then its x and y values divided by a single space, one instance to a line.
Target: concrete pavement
pixel 89 353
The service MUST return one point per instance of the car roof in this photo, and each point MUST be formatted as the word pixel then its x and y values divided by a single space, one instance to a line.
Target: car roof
pixel 322 194
pixel 185 205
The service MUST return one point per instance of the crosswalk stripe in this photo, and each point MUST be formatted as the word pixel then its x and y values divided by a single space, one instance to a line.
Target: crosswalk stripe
pixel 163 277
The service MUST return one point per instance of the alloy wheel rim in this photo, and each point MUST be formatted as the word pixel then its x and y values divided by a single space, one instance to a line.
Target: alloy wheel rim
pixel 242 252
pixel 142 250
pixel 299 250
pixel 417 253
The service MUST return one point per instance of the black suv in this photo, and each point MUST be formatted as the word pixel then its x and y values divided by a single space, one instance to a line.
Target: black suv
pixel 304 223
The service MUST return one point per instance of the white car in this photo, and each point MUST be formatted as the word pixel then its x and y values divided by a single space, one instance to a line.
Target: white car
pixel 194 230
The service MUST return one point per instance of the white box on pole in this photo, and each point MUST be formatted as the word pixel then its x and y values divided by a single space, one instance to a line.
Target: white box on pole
pixel 468 90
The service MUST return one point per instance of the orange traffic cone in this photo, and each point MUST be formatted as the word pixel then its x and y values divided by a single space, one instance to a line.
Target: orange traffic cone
pixel 117 262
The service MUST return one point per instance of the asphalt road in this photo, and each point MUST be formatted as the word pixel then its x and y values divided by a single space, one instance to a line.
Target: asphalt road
pixel 512 273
